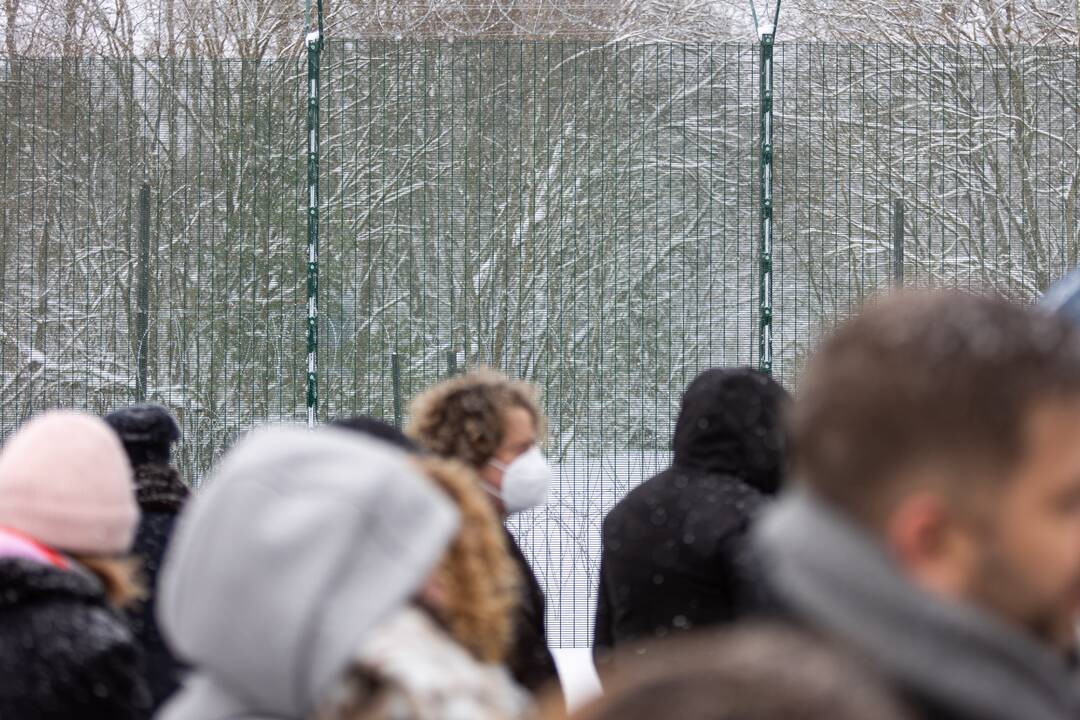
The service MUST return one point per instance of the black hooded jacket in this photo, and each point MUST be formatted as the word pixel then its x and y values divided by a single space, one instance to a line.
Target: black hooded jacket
pixel 530 660
pixel 64 653
pixel 161 494
pixel 675 552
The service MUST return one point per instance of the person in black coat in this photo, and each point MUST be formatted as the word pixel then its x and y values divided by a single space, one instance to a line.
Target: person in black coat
pixel 64 653
pixel 532 664
pixel 675 555
pixel 148 432
pixel 494 425
pixel 67 518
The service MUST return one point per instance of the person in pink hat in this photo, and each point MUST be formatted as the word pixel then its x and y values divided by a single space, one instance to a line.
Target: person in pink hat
pixel 67 518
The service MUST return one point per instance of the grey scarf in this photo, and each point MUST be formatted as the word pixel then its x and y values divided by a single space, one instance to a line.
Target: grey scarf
pixel 837 578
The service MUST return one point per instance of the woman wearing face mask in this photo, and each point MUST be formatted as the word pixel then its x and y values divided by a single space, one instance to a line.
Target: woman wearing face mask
pixel 494 425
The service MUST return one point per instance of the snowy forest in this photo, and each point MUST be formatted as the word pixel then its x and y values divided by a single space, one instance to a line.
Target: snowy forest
pixel 566 190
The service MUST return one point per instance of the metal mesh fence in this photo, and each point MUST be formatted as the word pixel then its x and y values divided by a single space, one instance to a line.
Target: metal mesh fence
pixel 581 215
pixel 220 144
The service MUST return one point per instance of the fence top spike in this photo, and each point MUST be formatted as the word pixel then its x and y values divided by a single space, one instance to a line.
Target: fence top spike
pixel 762 25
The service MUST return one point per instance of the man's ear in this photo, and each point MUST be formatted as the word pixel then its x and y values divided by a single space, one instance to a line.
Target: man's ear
pixel 931 546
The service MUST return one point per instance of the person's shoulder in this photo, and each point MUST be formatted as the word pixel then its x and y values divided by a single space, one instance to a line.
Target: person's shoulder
pixel 727 492
pixel 84 634
pixel 65 607
pixel 79 648
pixel 640 499
pixel 33 586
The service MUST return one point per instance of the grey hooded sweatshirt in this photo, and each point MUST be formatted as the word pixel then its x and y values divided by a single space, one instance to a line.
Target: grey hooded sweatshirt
pixel 302 545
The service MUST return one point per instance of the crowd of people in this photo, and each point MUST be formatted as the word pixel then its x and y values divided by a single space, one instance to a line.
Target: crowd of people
pixel 899 539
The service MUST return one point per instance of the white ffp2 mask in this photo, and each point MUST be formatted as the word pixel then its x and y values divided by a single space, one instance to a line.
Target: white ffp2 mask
pixel 525 481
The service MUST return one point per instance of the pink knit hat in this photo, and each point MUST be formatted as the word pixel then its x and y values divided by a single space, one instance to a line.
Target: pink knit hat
pixel 66 482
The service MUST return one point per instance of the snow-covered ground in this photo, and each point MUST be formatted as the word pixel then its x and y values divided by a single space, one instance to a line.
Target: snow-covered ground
pixel 562 541
pixel 577 675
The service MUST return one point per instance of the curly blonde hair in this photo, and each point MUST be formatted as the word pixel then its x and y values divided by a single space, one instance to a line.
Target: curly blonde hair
pixel 463 418
pixel 481 581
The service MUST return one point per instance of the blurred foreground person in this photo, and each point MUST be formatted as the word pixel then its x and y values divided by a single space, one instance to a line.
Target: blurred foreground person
pixel 148 432
pixel 302 547
pixel 674 553
pixel 938 533
pixel 494 425
pixel 67 516
pixel 440 657
pixel 748 673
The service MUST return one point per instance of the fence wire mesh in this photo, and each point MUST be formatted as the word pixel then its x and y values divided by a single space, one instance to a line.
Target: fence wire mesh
pixel 582 215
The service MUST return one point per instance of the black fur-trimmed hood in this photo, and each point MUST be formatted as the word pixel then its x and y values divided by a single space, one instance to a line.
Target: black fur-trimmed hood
pixel 28 582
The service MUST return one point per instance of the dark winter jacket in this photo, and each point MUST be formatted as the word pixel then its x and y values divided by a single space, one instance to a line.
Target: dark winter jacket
pixel 674 550
pixel 161 495
pixel 530 660
pixel 64 654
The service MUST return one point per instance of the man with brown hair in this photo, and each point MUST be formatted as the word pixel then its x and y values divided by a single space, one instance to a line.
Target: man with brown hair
pixel 938 530
pixel 494 425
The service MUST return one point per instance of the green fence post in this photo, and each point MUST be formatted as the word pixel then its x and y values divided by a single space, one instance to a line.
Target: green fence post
pixel 314 48
pixel 765 279
pixel 766 35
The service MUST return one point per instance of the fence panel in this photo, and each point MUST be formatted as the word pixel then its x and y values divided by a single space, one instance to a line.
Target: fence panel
pixel 583 215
